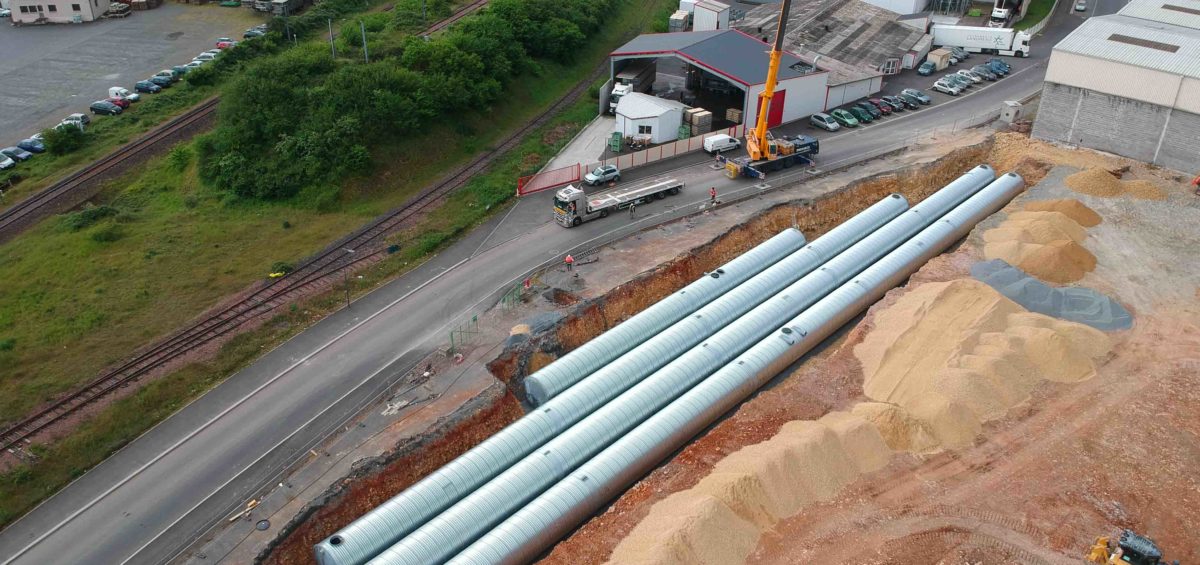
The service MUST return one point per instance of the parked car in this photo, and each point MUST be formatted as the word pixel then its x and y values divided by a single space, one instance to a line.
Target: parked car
pixel 123 93
pixel 123 103
pixel 824 121
pixel 6 163
pixel 162 82
pixel 169 74
pixel 846 119
pixel 147 86
pixel 985 72
pixel 910 102
pixel 226 44
pixel 947 87
pixel 898 102
pixel 252 33
pixel 870 109
pixel 32 145
pixel 863 116
pixel 999 66
pixel 970 76
pixel 927 68
pixel 5 13
pixel 962 82
pixel 104 107
pixel 1081 6
pixel 960 53
pixel 718 143
pixel 602 174
pixel 884 107
pixel 920 96
pixel 205 56
pixel 16 153
pixel 181 70
pixel 83 119
pixel 194 65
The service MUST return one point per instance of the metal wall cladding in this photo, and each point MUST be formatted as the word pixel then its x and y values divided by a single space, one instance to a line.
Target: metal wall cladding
pixel 544 520
pixel 440 533
pixel 580 362
pixel 458 526
pixel 383 526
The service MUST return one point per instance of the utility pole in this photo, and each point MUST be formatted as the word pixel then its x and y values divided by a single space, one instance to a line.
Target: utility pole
pixel 332 49
pixel 363 27
pixel 346 274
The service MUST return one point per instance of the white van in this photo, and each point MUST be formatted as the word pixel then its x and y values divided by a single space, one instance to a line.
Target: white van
pixel 719 143
pixel 120 92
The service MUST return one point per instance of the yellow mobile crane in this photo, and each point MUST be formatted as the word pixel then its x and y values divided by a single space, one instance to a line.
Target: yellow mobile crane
pixel 766 152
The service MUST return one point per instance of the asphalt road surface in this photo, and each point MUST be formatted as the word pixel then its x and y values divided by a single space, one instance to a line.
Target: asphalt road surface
pixel 152 498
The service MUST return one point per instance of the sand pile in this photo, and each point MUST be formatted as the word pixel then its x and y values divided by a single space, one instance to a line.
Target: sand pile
pixel 1070 207
pixel 952 355
pixel 1099 182
pixel 1044 244
pixel 720 520
pixel 1075 304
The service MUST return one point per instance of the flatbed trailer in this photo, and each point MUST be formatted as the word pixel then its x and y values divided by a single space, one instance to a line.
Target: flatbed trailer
pixel 572 206
pixel 803 149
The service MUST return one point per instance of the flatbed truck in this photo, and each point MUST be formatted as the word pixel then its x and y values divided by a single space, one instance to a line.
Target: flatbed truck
pixel 572 206
pixel 798 150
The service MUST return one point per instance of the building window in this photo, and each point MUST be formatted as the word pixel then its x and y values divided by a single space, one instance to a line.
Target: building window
pixel 53 8
pixel 40 8
pixel 75 7
pixel 644 129
pixel 24 9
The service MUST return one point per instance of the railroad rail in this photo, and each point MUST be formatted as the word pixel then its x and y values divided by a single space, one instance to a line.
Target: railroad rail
pixel 31 209
pixel 310 274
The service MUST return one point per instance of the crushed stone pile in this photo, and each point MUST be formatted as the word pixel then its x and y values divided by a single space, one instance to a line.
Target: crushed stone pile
pixel 1046 244
pixel 720 520
pixel 955 354
pixel 1075 304
pixel 1099 182
pixel 1074 209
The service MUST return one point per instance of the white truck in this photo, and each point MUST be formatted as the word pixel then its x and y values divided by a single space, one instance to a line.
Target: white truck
pixel 1001 14
pixel 573 207
pixel 637 76
pixel 998 41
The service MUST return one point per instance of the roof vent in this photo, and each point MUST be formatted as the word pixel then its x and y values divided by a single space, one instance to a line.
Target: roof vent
pixel 1143 43
pixel 1183 9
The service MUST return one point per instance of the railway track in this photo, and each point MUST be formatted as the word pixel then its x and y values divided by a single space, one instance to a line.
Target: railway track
pixel 46 201
pixel 312 273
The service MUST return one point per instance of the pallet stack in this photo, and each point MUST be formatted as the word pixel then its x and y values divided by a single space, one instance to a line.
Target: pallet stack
pixel 678 21
pixel 733 115
pixel 699 119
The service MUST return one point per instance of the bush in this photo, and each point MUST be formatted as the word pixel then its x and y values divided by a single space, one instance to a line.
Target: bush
pixel 282 267
pixel 60 141
pixel 106 234
pixel 7 344
pixel 179 157
pixel 89 215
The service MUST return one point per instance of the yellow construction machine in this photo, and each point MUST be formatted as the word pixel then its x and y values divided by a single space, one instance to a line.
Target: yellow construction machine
pixel 1130 548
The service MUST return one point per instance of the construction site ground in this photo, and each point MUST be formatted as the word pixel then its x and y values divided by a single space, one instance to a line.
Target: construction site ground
pixel 940 506
pixel 1037 485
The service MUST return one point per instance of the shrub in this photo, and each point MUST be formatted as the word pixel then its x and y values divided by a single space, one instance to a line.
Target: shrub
pixel 106 234
pixel 60 141
pixel 7 344
pixel 179 157
pixel 89 215
pixel 282 267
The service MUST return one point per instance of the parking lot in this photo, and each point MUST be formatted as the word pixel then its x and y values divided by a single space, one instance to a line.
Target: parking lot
pixel 48 72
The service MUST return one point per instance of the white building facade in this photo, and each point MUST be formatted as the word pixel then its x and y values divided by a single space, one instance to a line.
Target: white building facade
pixel 643 114
pixel 56 11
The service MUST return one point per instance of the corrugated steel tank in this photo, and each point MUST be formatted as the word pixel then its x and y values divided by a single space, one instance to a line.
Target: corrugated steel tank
pixel 383 526
pixel 461 523
pixel 543 521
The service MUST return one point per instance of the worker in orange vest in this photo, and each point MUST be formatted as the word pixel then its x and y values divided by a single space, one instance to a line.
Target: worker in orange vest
pixel 569 261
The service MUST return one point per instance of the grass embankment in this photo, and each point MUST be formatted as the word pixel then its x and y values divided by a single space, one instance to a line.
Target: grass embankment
pixel 1038 11
pixel 84 290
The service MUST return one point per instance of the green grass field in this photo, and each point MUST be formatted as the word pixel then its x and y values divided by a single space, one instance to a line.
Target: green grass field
pixel 85 290
pixel 1038 11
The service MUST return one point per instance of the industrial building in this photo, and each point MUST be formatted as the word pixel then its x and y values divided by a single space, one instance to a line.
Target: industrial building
pixel 642 114
pixel 56 11
pixel 726 69
pixel 1129 84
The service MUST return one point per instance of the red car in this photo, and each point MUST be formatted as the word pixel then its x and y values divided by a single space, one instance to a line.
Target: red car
pixel 226 44
pixel 883 106
pixel 123 103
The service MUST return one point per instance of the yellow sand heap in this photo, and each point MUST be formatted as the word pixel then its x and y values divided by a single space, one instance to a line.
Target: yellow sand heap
pixel 948 356
pixel 1043 244
pixel 1070 207
pixel 719 521
pixel 1099 182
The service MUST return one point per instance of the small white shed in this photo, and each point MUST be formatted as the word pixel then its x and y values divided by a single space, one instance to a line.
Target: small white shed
pixel 710 15
pixel 639 113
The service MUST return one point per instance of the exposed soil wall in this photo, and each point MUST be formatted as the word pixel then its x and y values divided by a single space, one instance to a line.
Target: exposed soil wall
pixel 377 479
pixel 813 217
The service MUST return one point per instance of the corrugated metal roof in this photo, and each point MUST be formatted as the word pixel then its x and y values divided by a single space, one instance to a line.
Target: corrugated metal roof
pixel 724 51
pixel 1093 39
pixel 638 105
pixel 1185 13
pixel 712 5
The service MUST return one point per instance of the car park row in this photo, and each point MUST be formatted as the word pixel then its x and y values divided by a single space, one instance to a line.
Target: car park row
pixel 119 99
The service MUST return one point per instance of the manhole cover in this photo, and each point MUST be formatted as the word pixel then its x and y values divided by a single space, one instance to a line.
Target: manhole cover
pixel 263 525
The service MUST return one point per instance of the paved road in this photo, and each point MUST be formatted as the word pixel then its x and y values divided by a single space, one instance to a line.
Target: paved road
pixel 156 495
pixel 48 72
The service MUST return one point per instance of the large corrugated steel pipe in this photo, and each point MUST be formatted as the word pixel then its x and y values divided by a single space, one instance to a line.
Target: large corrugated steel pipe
pixel 543 521
pixel 459 525
pixel 583 360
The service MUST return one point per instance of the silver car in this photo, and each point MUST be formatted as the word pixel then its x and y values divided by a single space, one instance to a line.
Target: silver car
pixel 603 174
pixel 824 121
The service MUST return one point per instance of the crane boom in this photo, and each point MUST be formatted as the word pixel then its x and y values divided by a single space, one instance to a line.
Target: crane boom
pixel 757 143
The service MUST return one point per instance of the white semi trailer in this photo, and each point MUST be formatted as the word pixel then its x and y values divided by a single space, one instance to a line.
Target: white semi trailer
pixel 572 206
pixel 999 41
